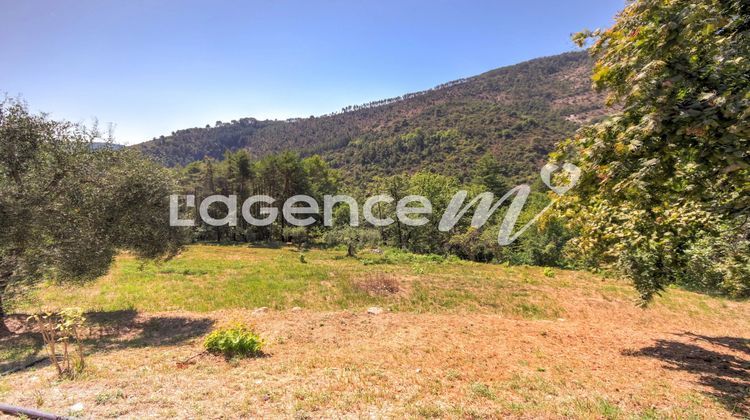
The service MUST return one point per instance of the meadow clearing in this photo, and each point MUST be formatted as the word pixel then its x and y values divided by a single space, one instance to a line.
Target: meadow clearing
pixel 454 339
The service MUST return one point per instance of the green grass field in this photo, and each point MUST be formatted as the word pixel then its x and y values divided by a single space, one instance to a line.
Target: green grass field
pixel 208 278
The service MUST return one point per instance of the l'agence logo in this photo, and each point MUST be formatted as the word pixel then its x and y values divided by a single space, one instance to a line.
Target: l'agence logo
pixel 412 210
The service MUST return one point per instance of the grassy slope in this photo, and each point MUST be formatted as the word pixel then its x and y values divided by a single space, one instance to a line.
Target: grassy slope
pixel 209 278
pixel 461 340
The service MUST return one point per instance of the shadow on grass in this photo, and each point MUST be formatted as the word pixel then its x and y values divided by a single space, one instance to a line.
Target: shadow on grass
pixel 123 329
pixel 106 331
pixel 19 349
pixel 727 376
pixel 733 343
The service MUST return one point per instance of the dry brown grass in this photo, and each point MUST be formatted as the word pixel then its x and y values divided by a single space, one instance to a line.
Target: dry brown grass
pixel 606 360
pixel 379 284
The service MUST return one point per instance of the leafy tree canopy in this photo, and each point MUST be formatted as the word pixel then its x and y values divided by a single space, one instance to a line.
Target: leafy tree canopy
pixel 67 207
pixel 666 181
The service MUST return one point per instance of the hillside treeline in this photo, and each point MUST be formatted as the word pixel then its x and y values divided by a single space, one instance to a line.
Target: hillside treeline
pixel 284 175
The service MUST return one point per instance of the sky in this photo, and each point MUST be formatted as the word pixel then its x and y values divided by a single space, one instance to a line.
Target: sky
pixel 153 67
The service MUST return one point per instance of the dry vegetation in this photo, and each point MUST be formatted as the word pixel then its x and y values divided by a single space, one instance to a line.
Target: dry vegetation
pixel 379 284
pixel 456 340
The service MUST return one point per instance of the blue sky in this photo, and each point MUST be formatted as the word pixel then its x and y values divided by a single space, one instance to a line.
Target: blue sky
pixel 153 67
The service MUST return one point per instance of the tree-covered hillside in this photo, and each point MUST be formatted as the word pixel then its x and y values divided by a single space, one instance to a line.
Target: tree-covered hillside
pixel 516 113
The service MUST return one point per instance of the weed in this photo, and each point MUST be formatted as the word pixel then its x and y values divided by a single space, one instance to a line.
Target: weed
pixel 649 414
pixel 39 399
pixel 106 397
pixel 529 310
pixel 237 340
pixel 481 390
pixel 429 411
pixel 608 410
pixel 452 375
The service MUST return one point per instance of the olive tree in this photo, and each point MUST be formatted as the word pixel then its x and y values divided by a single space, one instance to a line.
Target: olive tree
pixel 666 180
pixel 67 207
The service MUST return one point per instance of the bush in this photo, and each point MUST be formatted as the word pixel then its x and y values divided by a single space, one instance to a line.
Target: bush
pixel 353 237
pixel 540 245
pixel 299 236
pixel 63 331
pixel 237 340
pixel 473 245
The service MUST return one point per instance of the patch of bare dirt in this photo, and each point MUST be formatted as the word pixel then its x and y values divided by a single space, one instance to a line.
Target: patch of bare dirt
pixel 379 284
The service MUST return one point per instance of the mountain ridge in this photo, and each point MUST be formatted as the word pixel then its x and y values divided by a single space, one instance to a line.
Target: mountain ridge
pixel 516 113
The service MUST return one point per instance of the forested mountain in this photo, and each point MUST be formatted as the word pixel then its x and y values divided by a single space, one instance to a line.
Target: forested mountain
pixel 515 113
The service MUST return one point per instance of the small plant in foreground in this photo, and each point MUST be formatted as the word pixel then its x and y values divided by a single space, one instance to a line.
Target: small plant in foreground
pixel 236 340
pixel 482 390
pixel 107 397
pixel 61 331
pixel 549 272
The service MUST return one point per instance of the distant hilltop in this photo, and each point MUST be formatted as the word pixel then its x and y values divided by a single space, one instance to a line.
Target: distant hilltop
pixel 516 113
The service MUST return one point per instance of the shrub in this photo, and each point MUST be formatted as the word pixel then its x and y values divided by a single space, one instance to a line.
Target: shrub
pixel 354 238
pixel 549 272
pixel 299 236
pixel 473 245
pixel 63 331
pixel 235 341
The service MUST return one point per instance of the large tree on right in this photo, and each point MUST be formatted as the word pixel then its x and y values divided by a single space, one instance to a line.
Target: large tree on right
pixel 665 189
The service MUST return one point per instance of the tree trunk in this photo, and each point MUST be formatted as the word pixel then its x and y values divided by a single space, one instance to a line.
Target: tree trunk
pixel 7 268
pixel 4 330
